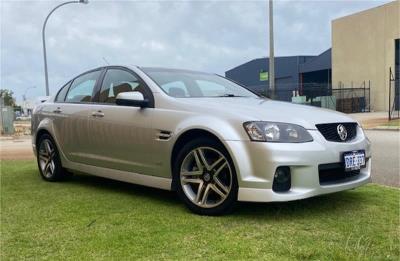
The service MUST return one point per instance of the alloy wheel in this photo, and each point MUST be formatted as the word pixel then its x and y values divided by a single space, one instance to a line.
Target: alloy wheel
pixel 47 155
pixel 206 177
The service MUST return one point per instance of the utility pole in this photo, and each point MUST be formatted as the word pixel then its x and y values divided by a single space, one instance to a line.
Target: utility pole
pixel 271 77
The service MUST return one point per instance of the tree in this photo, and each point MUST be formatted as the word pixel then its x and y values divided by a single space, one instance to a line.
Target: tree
pixel 17 108
pixel 8 97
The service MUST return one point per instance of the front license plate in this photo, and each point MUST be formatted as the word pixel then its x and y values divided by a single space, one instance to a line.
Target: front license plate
pixel 354 160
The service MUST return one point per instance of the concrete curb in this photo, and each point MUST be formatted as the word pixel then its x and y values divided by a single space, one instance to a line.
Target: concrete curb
pixel 386 186
pixel 6 137
pixel 382 129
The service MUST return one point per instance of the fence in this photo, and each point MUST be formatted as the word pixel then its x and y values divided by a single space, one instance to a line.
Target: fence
pixel 343 99
pixel 6 118
pixel 394 95
pixel 351 100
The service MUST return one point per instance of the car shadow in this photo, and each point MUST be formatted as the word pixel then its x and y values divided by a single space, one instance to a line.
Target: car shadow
pixel 319 205
pixel 329 204
pixel 116 186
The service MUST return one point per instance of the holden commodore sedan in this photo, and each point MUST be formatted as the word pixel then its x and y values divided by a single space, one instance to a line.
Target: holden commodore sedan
pixel 209 139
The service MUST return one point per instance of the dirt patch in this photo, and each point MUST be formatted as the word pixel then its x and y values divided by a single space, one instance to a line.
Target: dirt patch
pixel 373 123
pixel 22 128
pixel 375 120
pixel 16 148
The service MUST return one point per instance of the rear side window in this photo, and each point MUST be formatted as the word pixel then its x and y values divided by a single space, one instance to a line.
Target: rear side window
pixel 61 94
pixel 81 89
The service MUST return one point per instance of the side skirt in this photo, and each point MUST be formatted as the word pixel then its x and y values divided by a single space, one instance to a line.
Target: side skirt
pixel 130 177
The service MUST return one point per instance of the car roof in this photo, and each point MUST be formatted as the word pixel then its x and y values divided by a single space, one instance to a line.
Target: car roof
pixel 163 69
pixel 147 69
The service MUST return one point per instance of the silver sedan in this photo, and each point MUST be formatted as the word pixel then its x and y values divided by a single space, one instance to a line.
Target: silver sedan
pixel 202 135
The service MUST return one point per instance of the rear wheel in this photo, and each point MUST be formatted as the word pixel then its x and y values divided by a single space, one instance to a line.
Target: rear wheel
pixel 48 159
pixel 206 177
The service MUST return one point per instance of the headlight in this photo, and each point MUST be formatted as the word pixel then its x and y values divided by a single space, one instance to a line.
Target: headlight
pixel 362 131
pixel 276 132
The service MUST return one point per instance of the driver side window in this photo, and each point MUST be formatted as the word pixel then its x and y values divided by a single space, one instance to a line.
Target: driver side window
pixel 117 81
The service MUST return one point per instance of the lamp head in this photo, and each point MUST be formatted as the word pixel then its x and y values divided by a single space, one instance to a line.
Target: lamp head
pixel 84 1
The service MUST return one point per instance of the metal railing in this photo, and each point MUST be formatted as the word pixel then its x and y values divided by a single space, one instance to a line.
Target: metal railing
pixel 343 98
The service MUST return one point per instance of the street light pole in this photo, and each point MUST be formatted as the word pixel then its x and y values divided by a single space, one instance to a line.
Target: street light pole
pixel 44 39
pixel 271 52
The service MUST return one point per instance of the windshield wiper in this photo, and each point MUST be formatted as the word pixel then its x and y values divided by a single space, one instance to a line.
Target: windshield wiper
pixel 229 95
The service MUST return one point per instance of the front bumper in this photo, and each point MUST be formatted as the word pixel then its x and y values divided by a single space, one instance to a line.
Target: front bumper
pixel 256 163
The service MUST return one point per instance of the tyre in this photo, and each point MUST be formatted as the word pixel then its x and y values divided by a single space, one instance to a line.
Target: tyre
pixel 48 159
pixel 206 177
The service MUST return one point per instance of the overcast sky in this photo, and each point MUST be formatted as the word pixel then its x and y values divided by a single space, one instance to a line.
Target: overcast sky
pixel 212 36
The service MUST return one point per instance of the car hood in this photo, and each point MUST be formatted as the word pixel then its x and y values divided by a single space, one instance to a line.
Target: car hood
pixel 247 109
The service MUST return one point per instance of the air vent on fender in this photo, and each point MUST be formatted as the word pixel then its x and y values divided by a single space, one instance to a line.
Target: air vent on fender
pixel 164 135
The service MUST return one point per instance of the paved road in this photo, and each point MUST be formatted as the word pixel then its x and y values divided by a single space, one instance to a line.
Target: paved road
pixel 16 148
pixel 385 154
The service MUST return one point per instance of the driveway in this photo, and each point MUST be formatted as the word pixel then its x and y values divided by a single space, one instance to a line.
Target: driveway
pixel 385 154
pixel 16 148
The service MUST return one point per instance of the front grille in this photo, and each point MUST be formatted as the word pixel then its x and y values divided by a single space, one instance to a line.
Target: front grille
pixel 330 131
pixel 334 173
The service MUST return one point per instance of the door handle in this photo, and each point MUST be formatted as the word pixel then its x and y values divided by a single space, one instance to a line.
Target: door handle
pixel 99 114
pixel 58 110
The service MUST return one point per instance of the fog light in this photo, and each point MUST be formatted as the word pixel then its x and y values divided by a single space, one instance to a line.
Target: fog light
pixel 282 179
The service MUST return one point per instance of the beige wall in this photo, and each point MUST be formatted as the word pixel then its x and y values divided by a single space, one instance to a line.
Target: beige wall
pixel 363 49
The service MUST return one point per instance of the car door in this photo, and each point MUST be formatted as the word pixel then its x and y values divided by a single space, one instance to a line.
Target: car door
pixel 121 136
pixel 71 112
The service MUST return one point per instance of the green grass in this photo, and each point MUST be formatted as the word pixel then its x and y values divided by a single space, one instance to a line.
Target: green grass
pixel 94 218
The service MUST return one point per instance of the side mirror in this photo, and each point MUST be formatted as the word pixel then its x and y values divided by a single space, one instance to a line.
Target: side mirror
pixel 134 99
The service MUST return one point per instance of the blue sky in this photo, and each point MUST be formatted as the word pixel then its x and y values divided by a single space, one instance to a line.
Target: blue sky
pixel 211 36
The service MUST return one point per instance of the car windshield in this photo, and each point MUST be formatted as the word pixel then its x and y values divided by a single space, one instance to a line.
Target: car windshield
pixel 189 84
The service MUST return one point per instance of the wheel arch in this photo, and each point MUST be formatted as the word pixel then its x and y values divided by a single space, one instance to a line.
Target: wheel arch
pixel 187 136
pixel 46 126
pixel 39 134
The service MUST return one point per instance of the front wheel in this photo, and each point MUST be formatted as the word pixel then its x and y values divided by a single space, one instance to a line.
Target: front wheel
pixel 206 176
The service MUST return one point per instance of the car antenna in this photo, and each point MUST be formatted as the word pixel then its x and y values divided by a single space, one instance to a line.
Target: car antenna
pixel 105 60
